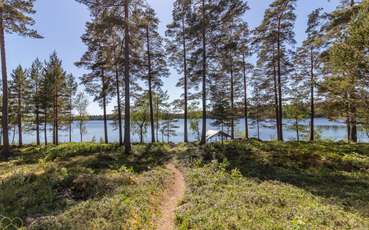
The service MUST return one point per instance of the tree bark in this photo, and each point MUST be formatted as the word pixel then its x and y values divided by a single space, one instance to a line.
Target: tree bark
pixel 45 127
pixel 354 138
pixel 70 119
pixel 149 77
pixel 258 121
pixel 297 129
pixel 185 80
pixel 348 118
pixel 232 100
pixel 276 98
pixel 157 117
pixel 141 135
pixel 204 73
pixel 55 115
pixel 104 106
pixel 127 114
pixel 280 102
pixel 312 105
pixel 5 149
pixel 38 142
pixel 81 131
pixel 19 118
pixel 245 97
pixel 56 118
pixel 119 105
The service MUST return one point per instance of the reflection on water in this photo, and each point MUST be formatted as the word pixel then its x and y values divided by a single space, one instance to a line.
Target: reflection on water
pixel 326 129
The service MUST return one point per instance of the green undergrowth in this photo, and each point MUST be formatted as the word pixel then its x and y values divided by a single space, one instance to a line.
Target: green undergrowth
pixel 237 185
pixel 271 185
pixel 83 186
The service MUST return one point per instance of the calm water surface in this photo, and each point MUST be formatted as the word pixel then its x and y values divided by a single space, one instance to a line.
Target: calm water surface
pixel 329 130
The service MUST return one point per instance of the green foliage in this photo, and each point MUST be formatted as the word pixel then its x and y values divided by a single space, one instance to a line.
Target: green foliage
pixel 273 185
pixel 86 186
pixel 73 149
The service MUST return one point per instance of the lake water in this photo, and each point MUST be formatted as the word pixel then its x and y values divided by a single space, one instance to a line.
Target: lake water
pixel 329 130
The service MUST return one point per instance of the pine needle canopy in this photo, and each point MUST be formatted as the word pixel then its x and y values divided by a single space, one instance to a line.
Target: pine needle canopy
pixel 17 16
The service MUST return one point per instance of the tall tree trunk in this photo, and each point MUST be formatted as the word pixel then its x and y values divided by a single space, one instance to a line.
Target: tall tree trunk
pixel 45 127
pixel 13 139
pixel 232 100
pixel 280 105
pixel 168 129
pixel 56 117
pixel 119 105
pixel 38 142
pixel 141 135
pixel 297 129
pixel 312 105
pixel 245 100
pixel 354 138
pixel 104 106
pixel 258 121
pixel 81 131
pixel 70 119
pixel 204 73
pixel 276 98
pixel 185 80
pixel 5 149
pixel 20 133
pixel 157 117
pixel 348 118
pixel 149 77
pixel 348 123
pixel 127 114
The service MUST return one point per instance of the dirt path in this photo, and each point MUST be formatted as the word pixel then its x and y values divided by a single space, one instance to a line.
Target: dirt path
pixel 171 200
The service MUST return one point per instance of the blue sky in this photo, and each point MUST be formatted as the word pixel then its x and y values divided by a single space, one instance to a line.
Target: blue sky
pixel 62 23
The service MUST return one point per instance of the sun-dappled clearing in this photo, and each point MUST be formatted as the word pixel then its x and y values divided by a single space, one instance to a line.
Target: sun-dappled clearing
pixel 270 185
pixel 235 185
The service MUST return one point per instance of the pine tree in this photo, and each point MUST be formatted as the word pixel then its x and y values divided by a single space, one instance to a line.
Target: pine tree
pixel 155 60
pixel 343 68
pixel 19 91
pixel 178 48
pixel 55 79
pixel 308 63
pixel 141 115
pixel 274 36
pixel 200 34
pixel 20 11
pixel 96 59
pixel 222 112
pixel 203 33
pixel 35 78
pixel 81 104
pixel 45 102
pixel 346 62
pixel 230 44
pixel 245 52
pixel 169 127
pixel 71 90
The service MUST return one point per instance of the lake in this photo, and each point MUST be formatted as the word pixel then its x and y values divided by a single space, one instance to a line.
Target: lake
pixel 328 130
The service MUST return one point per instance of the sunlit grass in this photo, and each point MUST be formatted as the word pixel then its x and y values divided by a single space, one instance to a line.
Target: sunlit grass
pixel 83 186
pixel 272 185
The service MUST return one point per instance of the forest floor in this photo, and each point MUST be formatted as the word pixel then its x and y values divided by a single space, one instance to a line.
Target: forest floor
pixel 237 185
pixel 171 199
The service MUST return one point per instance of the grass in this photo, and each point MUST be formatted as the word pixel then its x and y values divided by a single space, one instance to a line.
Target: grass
pixel 271 185
pixel 238 185
pixel 82 186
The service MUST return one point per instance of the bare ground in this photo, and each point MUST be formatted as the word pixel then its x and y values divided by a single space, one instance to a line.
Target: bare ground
pixel 171 199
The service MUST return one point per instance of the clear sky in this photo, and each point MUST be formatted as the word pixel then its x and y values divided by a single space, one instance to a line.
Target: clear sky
pixel 62 23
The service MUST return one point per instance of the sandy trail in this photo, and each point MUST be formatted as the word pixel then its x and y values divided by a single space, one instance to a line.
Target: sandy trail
pixel 171 199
